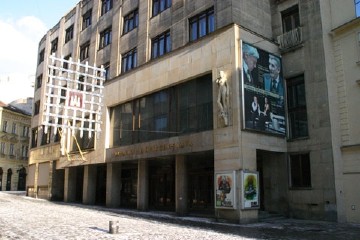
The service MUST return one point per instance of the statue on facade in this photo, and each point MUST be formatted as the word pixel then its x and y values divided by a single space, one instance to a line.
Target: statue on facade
pixel 223 97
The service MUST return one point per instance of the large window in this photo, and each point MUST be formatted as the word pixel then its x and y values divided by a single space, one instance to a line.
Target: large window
pixel 131 21
pixel 300 171
pixel 12 149
pixel 69 33
pixel 105 38
pixel 161 45
pixel 45 139
pixel 357 8
pixel 84 51
pixel 4 127
pixel 54 45
pixel 290 19
pixel 129 60
pixel 202 24
pixel 179 110
pixel 86 22
pixel 106 5
pixel 160 5
pixel 13 129
pixel 298 125
pixel 2 148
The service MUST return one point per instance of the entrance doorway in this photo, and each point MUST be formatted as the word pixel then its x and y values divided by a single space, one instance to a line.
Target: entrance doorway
pixel 8 180
pixel 22 179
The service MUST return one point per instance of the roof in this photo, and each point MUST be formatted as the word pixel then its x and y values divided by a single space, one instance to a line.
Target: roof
pixel 13 109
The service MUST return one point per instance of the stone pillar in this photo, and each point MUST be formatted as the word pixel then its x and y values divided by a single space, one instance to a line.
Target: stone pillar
pixel 70 185
pixel 143 185
pixel 89 184
pixel 113 185
pixel 180 185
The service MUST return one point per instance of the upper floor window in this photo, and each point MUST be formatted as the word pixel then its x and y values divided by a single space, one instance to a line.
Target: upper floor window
pixel 5 124
pixel 25 132
pixel 290 19
pixel 34 137
pixel 131 21
pixel 24 151
pixel 86 22
pixel 2 148
pixel 298 124
pixel 36 107
pixel 106 5
pixel 69 34
pixel 105 38
pixel 129 60
pixel 202 24
pixel 54 45
pixel 300 171
pixel 161 45
pixel 159 6
pixel 63 94
pixel 41 56
pixel 107 70
pixel 39 81
pixel 357 8
pixel 13 129
pixel 45 136
pixel 84 51
pixel 66 64
pixel 11 149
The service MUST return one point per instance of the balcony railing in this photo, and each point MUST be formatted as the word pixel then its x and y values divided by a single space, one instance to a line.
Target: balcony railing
pixel 290 39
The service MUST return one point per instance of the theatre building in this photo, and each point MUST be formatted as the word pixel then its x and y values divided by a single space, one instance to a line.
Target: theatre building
pixel 210 108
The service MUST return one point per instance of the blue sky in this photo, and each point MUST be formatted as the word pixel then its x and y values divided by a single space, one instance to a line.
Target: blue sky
pixel 22 24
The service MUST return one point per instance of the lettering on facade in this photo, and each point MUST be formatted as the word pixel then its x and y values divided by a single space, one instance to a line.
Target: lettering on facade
pixel 154 148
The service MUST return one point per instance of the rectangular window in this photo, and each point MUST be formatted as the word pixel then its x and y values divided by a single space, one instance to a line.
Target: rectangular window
pixel 357 8
pixel 69 33
pixel 160 5
pixel 298 125
pixel 41 56
pixel 300 171
pixel 24 151
pixel 84 51
pixel 161 45
pixel 5 123
pixel 36 107
pixel 106 5
pixel 25 132
pixel 39 81
pixel 86 22
pixel 11 150
pixel 129 60
pixel 13 129
pixel 107 70
pixel 105 38
pixel 66 64
pixel 34 137
pixel 202 24
pixel 131 21
pixel 63 94
pixel 290 19
pixel 2 148
pixel 54 45
pixel 45 136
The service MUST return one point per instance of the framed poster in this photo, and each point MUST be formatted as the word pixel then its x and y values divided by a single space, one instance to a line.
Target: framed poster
pixel 250 190
pixel 225 188
pixel 263 91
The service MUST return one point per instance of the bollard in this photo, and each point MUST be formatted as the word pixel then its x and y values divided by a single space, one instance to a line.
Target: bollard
pixel 113 227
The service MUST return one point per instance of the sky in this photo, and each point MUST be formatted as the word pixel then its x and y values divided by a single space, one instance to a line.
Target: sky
pixel 22 25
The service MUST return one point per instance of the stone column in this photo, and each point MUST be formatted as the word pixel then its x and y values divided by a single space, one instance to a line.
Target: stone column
pixel 180 185
pixel 89 184
pixel 70 185
pixel 113 185
pixel 143 185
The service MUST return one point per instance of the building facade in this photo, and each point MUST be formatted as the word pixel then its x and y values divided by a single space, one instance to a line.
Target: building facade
pixel 222 108
pixel 14 147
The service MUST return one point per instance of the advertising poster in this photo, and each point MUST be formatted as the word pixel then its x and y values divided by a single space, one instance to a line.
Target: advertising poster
pixel 263 91
pixel 225 190
pixel 250 189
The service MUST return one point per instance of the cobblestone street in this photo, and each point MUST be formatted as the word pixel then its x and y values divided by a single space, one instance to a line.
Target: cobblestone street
pixel 27 218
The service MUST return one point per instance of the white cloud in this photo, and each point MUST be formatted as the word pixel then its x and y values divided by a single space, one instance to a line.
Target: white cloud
pixel 18 47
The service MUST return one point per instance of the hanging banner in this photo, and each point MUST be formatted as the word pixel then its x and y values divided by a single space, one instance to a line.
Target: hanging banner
pixel 225 188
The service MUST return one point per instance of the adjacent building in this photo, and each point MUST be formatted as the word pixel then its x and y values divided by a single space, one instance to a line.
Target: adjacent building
pixel 14 147
pixel 218 108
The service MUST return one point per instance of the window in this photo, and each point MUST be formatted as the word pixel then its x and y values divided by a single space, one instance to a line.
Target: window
pixel 84 51
pixel 129 60
pixel 13 129
pixel 41 56
pixel 202 24
pixel 105 38
pixel 107 70
pixel 39 81
pixel 34 136
pixel 357 8
pixel 5 123
pixel 106 5
pixel 54 45
pixel 298 126
pixel 161 45
pixel 86 22
pixel 11 150
pixel 24 151
pixel 159 6
pixel 66 64
pixel 69 34
pixel 131 21
pixel 63 94
pixel 25 132
pixel 45 136
pixel 2 148
pixel 300 172
pixel 36 107
pixel 290 19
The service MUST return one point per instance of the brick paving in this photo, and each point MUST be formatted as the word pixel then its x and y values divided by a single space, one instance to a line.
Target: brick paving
pixel 22 217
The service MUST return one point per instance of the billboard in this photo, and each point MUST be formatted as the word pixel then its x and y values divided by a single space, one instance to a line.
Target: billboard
pixel 225 187
pixel 262 91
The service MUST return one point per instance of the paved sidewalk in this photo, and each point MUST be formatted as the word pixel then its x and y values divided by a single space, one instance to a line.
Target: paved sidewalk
pixel 22 217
